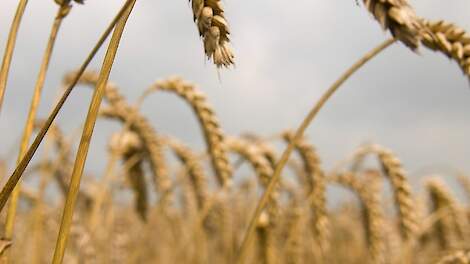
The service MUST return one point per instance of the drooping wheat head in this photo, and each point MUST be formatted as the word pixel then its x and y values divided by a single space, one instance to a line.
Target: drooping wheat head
pixel 213 28
pixel 213 134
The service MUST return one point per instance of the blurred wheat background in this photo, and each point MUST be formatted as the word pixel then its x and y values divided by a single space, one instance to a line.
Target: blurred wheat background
pixel 287 54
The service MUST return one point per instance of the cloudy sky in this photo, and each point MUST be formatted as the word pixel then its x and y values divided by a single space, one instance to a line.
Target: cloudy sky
pixel 287 54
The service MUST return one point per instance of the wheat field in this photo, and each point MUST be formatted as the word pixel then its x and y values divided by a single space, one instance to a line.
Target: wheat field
pixel 241 198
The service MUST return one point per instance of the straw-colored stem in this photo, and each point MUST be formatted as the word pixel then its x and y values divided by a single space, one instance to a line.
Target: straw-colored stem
pixel 19 170
pixel 298 135
pixel 86 137
pixel 29 126
pixel 10 47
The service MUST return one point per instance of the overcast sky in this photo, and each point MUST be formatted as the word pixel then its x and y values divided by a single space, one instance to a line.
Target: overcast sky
pixel 287 54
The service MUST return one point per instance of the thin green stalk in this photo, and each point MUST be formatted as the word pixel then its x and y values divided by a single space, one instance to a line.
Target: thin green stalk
pixel 8 55
pixel 28 129
pixel 298 135
pixel 15 177
pixel 86 137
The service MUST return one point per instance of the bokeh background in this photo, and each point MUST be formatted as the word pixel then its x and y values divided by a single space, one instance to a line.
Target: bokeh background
pixel 287 54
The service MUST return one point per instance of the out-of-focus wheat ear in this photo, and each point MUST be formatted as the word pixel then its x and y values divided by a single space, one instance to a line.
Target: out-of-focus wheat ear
pixel 453 227
pixel 131 116
pixel 129 146
pixel 153 147
pixel 194 169
pixel 213 28
pixel 10 47
pixel 315 190
pixel 86 137
pixel 210 126
pixel 399 18
pixel 455 257
pixel 402 193
pixel 29 125
pixel 451 40
pixel 368 192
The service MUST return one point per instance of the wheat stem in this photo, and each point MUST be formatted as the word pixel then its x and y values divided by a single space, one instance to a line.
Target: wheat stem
pixel 86 136
pixel 298 134
pixel 29 126
pixel 10 47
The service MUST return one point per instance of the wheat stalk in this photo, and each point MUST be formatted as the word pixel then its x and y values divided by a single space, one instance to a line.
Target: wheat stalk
pixel 10 47
pixel 86 137
pixel 28 130
pixel 213 28
pixel 213 134
pixel 298 135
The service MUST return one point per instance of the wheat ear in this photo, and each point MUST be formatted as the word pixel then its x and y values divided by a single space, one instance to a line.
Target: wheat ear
pixel 213 134
pixel 398 17
pixel 316 188
pixel 368 192
pixel 213 28
pixel 127 114
pixel 454 225
pixel 403 196
pixel 194 169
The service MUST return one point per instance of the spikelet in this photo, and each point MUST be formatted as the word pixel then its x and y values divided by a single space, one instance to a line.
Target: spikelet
pixel 398 17
pixel 128 145
pixel 451 40
pixel 213 134
pixel 214 30
pixel 316 188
